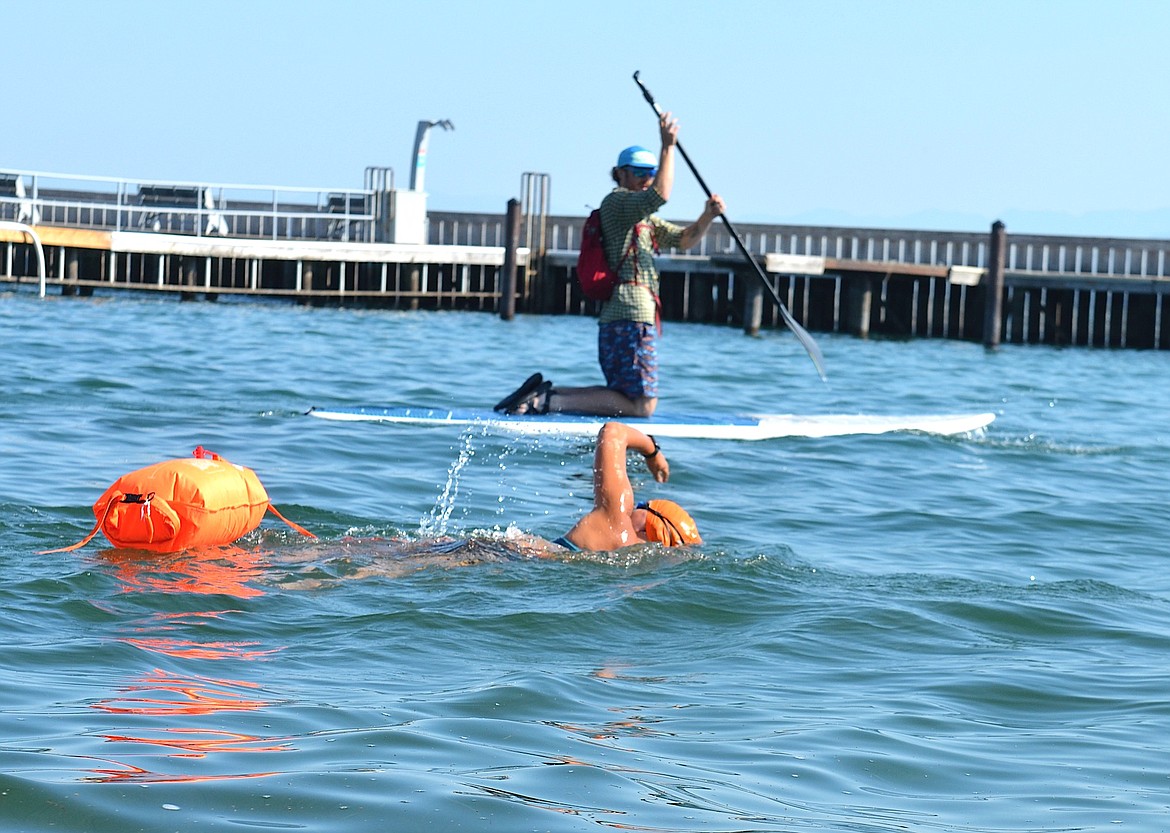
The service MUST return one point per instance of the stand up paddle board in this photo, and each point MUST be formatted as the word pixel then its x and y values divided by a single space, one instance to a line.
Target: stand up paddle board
pixel 665 424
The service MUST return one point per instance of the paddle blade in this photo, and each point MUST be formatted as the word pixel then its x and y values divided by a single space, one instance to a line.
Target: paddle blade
pixel 803 336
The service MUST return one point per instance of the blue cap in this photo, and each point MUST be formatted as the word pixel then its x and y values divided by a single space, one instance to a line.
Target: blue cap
pixel 637 156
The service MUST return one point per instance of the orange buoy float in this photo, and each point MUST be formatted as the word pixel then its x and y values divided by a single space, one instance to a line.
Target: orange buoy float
pixel 197 501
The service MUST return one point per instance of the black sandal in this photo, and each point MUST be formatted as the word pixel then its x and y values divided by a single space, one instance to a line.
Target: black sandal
pixel 513 400
pixel 529 402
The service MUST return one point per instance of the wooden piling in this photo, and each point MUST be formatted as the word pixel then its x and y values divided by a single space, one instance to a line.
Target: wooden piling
pixel 753 304
pixel 700 303
pixel 858 307
pixel 189 277
pixel 993 298
pixel 414 285
pixel 508 276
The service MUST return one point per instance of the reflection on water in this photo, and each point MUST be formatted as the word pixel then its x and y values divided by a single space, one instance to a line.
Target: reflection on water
pixel 634 726
pixel 187 700
pixel 560 807
pixel 225 570
pixel 125 772
pixel 192 649
pixel 176 695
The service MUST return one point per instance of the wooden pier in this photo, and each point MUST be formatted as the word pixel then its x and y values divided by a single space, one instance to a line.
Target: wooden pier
pixel 988 287
pixel 367 247
pixel 419 276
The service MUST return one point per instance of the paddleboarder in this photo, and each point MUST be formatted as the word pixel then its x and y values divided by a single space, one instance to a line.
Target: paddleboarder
pixel 630 321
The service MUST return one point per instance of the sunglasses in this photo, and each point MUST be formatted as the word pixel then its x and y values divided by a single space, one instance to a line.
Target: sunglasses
pixel 641 172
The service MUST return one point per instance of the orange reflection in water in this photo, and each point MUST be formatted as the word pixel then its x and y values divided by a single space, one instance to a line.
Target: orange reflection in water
pixel 183 695
pixel 161 693
pixel 196 743
pixel 181 648
pixel 128 773
pixel 190 649
pixel 184 701
pixel 208 570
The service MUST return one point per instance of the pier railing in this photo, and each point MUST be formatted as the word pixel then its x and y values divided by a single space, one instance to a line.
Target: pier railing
pixel 199 209
pixel 1026 255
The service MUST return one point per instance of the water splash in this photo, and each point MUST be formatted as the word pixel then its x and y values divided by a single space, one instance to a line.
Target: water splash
pixel 435 522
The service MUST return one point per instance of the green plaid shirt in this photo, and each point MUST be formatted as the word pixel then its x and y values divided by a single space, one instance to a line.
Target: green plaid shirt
pixel 622 211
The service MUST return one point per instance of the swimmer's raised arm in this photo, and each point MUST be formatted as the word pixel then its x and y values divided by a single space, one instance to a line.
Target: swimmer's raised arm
pixel 612 492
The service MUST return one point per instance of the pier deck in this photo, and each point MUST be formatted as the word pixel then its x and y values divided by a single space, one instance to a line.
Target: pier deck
pixel 337 246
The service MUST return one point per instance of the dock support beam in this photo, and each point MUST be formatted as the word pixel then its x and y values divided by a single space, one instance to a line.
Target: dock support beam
pixel 753 304
pixel 993 299
pixel 508 274
pixel 190 279
pixel 859 306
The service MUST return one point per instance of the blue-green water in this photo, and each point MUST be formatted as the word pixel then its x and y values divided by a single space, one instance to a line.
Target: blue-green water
pixel 880 633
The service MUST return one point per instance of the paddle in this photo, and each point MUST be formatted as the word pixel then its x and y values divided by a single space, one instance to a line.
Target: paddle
pixel 800 332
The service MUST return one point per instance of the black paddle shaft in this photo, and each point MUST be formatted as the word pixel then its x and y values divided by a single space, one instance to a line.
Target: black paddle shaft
pixel 800 332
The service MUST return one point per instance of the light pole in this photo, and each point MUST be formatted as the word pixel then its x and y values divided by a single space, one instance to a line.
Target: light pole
pixel 418 168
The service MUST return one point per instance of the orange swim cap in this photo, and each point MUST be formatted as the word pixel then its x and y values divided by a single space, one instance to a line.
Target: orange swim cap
pixel 669 524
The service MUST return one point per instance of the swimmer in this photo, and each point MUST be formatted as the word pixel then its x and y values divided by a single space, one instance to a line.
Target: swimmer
pixel 616 521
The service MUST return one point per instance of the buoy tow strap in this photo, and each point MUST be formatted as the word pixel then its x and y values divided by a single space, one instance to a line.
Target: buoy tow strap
pixel 109 508
pixel 292 525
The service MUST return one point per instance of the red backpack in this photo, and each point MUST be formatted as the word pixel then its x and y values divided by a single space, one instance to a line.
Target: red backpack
pixel 596 278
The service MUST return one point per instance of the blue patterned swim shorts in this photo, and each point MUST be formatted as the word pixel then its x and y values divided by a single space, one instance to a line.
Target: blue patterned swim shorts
pixel 628 352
